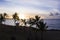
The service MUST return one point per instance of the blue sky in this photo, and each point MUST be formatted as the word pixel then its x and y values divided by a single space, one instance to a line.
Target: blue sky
pixel 30 6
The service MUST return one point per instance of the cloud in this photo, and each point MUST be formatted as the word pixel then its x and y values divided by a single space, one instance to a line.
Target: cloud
pixel 8 0
pixel 57 14
pixel 39 3
pixel 54 12
pixel 11 10
pixel 36 5
pixel 51 14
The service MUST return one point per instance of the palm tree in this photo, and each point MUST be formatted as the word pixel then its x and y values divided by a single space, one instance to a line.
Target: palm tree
pixel 4 16
pixel 31 21
pixel 37 18
pixel 1 18
pixel 41 25
pixel 15 17
pixel 24 21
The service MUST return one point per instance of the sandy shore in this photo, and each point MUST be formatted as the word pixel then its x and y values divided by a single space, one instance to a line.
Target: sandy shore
pixel 7 32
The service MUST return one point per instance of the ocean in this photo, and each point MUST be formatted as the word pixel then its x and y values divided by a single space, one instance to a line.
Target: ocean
pixel 51 23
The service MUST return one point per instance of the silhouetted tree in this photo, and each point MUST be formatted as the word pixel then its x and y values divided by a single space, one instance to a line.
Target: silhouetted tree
pixel 4 16
pixel 24 21
pixel 31 21
pixel 37 18
pixel 1 18
pixel 15 17
pixel 41 25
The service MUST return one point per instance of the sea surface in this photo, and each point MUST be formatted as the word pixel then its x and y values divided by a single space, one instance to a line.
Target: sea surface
pixel 51 23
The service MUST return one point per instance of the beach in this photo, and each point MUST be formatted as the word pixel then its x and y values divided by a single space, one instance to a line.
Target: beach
pixel 7 32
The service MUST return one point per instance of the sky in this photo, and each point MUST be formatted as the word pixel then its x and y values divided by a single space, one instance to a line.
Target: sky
pixel 42 7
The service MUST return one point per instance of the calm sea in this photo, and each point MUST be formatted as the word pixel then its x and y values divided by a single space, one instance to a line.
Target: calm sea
pixel 51 23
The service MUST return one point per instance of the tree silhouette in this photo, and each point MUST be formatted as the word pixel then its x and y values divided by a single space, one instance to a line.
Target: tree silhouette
pixel 37 18
pixel 15 17
pixel 24 21
pixel 1 18
pixel 31 21
pixel 4 16
pixel 41 25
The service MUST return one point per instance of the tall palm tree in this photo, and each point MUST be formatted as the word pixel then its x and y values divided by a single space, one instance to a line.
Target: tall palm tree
pixel 31 22
pixel 15 17
pixel 1 18
pixel 37 18
pixel 4 16
pixel 41 25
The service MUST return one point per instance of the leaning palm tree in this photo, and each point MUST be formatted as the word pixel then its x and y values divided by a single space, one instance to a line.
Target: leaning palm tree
pixel 41 25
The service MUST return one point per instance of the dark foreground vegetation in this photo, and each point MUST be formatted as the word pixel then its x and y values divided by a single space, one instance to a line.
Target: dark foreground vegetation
pixel 24 33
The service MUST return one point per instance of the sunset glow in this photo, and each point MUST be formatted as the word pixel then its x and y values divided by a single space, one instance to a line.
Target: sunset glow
pixel 22 16
pixel 44 7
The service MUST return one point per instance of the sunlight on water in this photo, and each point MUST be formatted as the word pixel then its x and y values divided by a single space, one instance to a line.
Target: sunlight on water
pixel 52 24
pixel 11 22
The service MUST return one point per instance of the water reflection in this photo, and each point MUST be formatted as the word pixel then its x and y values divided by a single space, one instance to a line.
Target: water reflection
pixel 21 23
